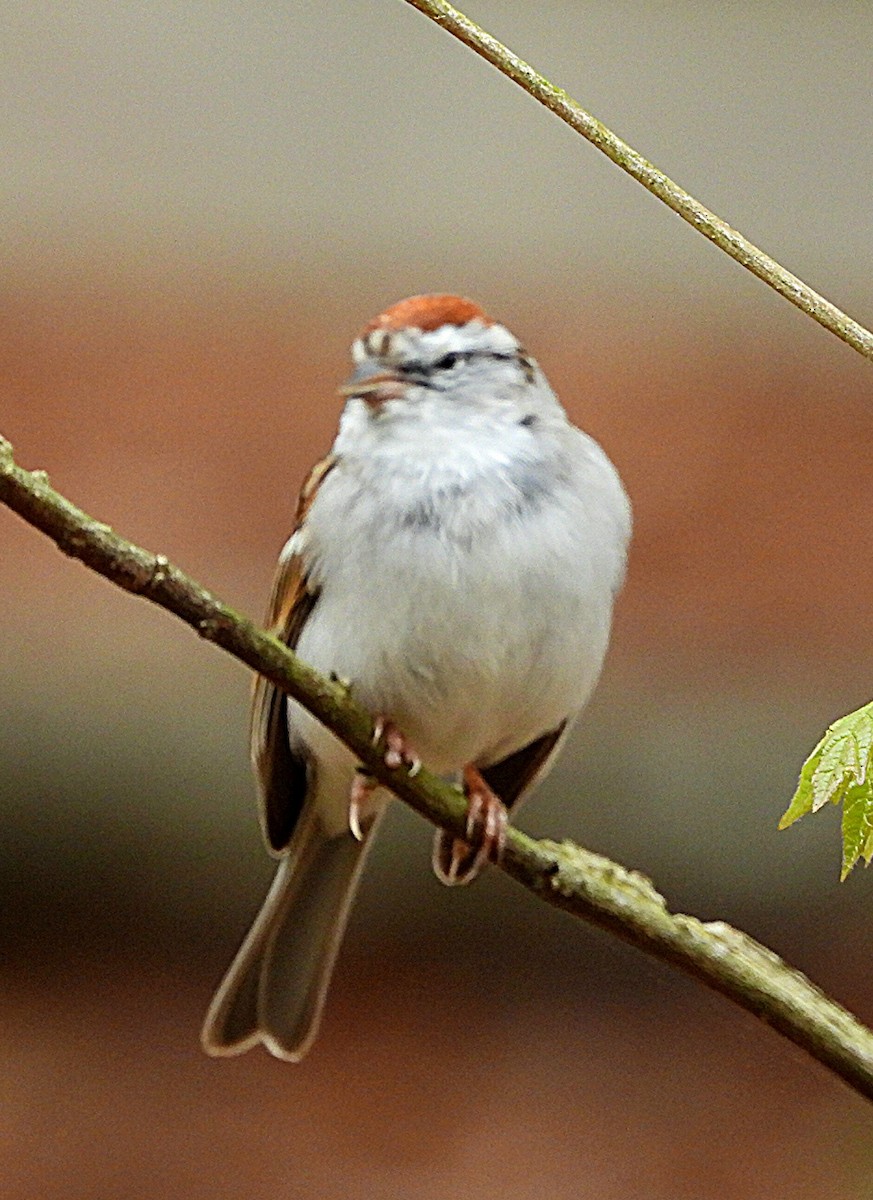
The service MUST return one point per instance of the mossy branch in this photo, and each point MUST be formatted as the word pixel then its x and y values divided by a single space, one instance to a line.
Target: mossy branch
pixel 655 181
pixel 561 873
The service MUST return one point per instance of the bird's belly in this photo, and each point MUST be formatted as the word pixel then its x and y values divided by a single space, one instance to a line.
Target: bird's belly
pixel 473 656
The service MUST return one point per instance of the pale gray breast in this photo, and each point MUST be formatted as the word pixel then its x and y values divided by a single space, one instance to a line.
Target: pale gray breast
pixel 474 617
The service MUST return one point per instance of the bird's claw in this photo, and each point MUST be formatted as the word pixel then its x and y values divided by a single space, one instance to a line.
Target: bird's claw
pixel 460 861
pixel 362 812
pixel 398 752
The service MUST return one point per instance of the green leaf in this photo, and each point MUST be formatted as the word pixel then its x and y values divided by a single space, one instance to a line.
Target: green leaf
pixel 840 769
pixel 857 827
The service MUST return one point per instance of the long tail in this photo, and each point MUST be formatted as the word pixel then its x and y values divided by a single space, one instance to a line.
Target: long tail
pixel 275 988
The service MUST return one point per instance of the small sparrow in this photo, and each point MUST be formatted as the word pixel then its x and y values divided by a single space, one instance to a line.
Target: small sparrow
pixel 455 559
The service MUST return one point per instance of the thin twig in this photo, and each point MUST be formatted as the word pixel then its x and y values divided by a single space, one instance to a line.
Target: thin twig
pixel 655 181
pixel 564 874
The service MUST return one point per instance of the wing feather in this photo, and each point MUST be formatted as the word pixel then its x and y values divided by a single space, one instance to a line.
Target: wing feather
pixel 283 771
pixel 518 772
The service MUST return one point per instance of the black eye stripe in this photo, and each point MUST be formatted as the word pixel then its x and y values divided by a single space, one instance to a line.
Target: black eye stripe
pixel 453 358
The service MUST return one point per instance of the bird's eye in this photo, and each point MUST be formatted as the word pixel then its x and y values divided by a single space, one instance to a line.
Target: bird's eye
pixel 447 362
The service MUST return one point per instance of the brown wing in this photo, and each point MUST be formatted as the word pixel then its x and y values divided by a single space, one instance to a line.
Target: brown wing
pixel 282 770
pixel 518 772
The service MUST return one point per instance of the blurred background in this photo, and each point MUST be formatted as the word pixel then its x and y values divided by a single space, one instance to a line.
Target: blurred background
pixel 201 205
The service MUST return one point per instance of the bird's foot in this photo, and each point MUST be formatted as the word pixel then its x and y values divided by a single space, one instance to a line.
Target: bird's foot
pixel 398 752
pixel 458 861
pixel 362 810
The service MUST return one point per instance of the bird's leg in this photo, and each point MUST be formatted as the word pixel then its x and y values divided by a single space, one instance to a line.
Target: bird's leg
pixel 398 753
pixel 459 861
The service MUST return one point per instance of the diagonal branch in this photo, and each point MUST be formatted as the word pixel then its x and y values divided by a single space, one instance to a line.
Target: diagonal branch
pixel 726 238
pixel 561 873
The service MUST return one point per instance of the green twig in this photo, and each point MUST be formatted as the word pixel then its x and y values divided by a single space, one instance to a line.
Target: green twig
pixel 655 181
pixel 564 874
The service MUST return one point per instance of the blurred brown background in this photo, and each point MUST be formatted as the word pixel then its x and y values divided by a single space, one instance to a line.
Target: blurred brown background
pixel 201 204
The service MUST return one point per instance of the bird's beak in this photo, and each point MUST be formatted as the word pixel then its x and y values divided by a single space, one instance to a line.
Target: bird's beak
pixel 375 387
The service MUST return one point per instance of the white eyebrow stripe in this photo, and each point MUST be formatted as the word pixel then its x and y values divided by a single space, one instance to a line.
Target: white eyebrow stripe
pixel 475 337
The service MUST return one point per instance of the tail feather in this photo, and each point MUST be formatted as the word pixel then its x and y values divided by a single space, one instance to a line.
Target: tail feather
pixel 275 988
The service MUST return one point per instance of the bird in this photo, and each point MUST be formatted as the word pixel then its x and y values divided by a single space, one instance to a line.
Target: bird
pixel 454 560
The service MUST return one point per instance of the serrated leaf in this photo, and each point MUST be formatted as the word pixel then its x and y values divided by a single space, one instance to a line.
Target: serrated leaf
pixel 802 800
pixel 867 852
pixel 839 770
pixel 843 761
pixel 857 826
